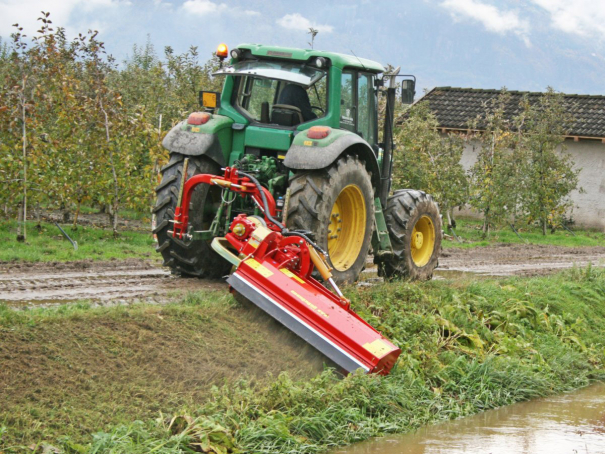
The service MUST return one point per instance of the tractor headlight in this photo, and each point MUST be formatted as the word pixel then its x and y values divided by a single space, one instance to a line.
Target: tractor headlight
pixel 236 54
pixel 321 62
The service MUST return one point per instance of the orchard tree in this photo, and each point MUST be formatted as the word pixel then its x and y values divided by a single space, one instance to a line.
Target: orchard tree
pixel 76 129
pixel 428 160
pixel 64 163
pixel 490 175
pixel 548 170
pixel 18 122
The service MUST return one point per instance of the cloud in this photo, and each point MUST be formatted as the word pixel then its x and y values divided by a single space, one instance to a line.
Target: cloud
pixel 297 22
pixel 203 7
pixel 579 17
pixel 493 19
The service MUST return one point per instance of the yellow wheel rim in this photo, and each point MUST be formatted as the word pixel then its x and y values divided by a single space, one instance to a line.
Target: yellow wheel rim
pixel 346 230
pixel 423 241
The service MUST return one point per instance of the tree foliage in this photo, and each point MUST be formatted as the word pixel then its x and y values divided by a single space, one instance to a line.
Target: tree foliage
pixel 548 175
pixel 428 160
pixel 492 188
pixel 522 172
pixel 76 128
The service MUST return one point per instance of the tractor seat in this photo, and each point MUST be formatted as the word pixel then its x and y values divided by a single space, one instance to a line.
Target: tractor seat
pixel 286 115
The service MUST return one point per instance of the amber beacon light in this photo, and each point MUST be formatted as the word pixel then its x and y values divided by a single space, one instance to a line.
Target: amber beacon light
pixel 222 51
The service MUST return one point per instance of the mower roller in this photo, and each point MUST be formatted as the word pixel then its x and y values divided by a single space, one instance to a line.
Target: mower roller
pixel 273 269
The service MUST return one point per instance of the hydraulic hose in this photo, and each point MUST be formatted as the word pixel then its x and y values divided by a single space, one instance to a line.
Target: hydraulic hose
pixel 264 199
pixel 284 230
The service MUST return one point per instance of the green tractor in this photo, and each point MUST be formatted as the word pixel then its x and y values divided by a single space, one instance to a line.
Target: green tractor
pixel 305 124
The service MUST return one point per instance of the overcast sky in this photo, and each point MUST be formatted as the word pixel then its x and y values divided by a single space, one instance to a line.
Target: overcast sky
pixel 520 44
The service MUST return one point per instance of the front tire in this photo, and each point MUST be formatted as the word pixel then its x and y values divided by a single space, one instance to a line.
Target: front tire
pixel 414 226
pixel 191 258
pixel 337 205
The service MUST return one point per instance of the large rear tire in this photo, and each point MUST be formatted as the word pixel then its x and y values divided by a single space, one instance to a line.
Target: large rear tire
pixel 414 226
pixel 192 258
pixel 337 205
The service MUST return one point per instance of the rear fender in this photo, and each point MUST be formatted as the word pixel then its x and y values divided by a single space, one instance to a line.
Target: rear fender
pixel 212 139
pixel 315 154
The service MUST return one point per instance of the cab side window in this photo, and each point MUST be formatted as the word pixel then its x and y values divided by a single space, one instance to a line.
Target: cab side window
pixel 358 101
pixel 366 107
pixel 347 101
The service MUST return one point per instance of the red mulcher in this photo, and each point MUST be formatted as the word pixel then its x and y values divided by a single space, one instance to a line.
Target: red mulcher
pixel 273 269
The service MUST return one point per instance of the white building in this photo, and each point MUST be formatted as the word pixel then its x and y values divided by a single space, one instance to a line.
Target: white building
pixel 455 107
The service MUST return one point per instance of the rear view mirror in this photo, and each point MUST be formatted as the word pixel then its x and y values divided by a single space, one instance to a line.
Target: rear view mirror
pixel 408 90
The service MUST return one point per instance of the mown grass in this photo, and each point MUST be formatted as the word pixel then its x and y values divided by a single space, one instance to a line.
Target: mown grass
pixel 77 369
pixel 469 231
pixel 47 244
pixel 467 347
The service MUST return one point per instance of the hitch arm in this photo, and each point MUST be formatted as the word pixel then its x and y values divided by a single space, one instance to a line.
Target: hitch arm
pixel 230 181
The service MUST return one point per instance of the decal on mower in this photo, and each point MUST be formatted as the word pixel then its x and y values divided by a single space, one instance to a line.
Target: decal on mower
pixel 290 274
pixel 310 304
pixel 377 348
pixel 259 268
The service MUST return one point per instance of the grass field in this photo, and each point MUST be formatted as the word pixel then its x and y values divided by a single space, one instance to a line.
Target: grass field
pixel 108 380
pixel 48 244
pixel 469 231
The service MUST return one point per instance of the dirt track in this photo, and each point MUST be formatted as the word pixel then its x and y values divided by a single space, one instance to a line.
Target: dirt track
pixel 121 282
pixel 519 259
pixel 105 283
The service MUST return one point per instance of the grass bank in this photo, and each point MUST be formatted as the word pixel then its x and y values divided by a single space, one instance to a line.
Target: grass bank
pixel 466 346
pixel 469 231
pixel 47 244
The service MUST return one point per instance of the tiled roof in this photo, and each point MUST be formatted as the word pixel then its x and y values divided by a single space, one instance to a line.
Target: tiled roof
pixel 454 107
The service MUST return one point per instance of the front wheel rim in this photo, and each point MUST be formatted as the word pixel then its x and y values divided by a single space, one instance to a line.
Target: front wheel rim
pixel 422 242
pixel 346 228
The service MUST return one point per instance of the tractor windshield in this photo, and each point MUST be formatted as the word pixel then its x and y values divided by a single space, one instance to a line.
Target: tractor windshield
pixel 279 93
pixel 297 73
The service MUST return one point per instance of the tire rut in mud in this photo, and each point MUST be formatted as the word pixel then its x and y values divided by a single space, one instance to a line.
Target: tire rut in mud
pixel 103 283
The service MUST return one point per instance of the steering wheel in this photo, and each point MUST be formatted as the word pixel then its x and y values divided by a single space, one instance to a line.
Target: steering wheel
pixel 318 108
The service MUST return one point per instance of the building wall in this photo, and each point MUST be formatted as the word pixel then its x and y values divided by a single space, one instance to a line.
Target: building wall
pixel 589 156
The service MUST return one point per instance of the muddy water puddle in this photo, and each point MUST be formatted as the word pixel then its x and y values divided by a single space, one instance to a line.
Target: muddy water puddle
pixel 572 423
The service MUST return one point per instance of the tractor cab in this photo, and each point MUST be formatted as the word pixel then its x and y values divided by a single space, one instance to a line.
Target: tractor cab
pixel 294 90
pixel 277 93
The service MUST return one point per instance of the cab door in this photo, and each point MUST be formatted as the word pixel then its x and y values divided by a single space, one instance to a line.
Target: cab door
pixel 358 104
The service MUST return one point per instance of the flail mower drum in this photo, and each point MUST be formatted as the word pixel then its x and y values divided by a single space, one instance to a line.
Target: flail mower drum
pixel 273 269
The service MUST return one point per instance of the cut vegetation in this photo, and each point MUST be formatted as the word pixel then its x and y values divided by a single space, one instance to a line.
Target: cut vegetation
pixel 78 378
